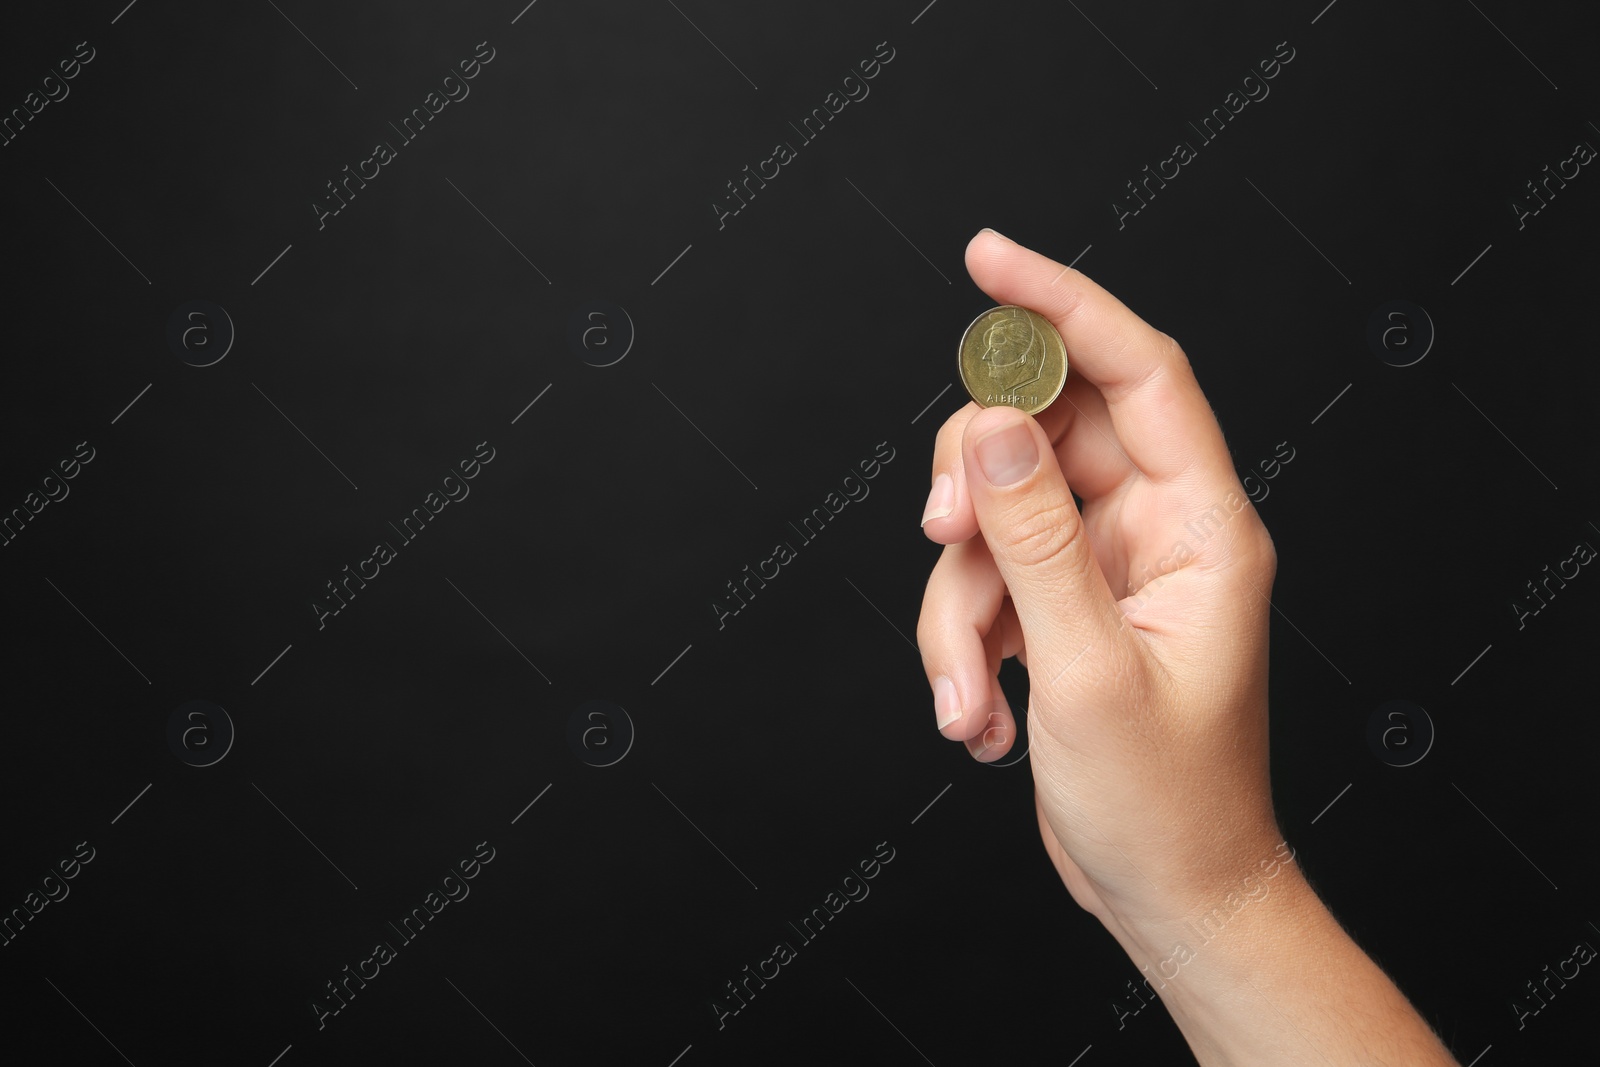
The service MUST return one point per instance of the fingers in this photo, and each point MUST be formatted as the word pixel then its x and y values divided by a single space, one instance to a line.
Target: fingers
pixel 1079 428
pixel 948 517
pixel 998 730
pixel 967 627
pixel 1160 416
pixel 1036 539
pixel 998 727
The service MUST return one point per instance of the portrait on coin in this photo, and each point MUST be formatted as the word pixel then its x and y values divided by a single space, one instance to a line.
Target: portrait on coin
pixel 1013 351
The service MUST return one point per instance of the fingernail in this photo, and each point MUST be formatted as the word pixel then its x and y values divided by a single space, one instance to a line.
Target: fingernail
pixel 941 500
pixel 1007 455
pixel 993 737
pixel 997 233
pixel 946 705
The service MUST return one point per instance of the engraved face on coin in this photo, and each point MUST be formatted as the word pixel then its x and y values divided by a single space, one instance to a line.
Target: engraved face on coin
pixel 1010 355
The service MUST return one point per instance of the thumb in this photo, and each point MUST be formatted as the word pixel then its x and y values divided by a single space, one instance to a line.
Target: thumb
pixel 1032 527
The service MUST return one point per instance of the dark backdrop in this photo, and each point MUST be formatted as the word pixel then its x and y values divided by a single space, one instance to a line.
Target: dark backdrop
pixel 541 276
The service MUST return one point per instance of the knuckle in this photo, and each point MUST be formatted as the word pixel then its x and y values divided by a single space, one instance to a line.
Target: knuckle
pixel 1172 350
pixel 1255 555
pixel 1046 533
pixel 1266 555
pixel 927 633
pixel 928 620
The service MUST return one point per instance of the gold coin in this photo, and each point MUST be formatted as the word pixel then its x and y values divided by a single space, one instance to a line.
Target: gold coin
pixel 1010 355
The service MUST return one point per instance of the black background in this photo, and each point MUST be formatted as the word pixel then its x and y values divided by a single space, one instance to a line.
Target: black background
pixel 770 356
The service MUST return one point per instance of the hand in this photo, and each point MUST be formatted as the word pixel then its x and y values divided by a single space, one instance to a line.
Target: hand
pixel 1142 618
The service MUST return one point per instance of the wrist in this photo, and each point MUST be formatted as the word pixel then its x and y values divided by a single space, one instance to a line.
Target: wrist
pixel 1274 980
pixel 1219 969
pixel 1231 915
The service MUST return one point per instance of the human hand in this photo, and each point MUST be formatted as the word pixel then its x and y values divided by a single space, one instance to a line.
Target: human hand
pixel 1142 618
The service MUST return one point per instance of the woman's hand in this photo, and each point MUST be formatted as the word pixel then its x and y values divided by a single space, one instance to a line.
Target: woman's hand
pixel 1141 617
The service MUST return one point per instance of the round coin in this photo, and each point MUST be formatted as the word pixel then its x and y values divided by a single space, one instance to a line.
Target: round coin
pixel 1010 355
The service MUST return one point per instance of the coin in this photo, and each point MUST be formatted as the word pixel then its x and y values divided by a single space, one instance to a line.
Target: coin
pixel 1010 355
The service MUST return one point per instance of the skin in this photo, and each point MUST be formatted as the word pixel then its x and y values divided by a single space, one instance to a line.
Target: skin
pixel 1142 618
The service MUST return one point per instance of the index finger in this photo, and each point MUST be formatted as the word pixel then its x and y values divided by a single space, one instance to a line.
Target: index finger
pixel 1160 416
